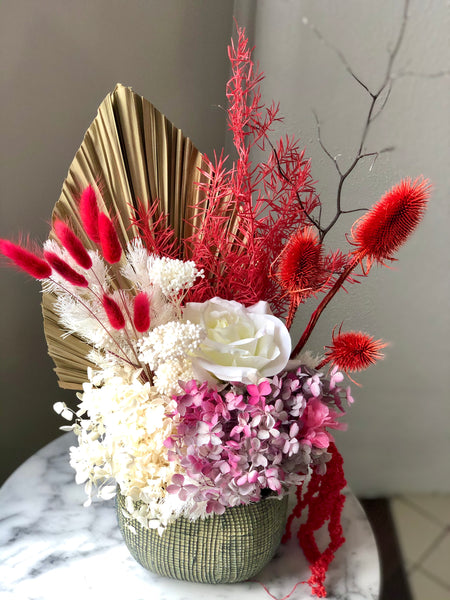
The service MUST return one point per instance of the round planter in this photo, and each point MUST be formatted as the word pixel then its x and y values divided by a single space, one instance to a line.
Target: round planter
pixel 224 548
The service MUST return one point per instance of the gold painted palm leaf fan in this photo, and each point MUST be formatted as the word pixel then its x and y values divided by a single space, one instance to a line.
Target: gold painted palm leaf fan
pixel 132 156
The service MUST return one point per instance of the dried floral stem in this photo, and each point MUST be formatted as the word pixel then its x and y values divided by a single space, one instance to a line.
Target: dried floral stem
pixel 291 314
pixel 316 314
pixel 124 304
pixel 148 374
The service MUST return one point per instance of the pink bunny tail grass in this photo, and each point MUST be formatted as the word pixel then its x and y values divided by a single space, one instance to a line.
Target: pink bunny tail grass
pixel 65 270
pixel 72 244
pixel 141 315
pixel 25 260
pixel 113 312
pixel 89 213
pixel 111 248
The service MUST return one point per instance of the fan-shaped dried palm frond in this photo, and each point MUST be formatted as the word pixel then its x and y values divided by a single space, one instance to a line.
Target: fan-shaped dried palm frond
pixel 133 157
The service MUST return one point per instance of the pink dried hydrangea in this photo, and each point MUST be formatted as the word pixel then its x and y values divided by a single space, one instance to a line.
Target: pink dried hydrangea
pixel 238 442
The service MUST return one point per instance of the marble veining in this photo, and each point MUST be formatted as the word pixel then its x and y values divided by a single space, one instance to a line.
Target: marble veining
pixel 51 547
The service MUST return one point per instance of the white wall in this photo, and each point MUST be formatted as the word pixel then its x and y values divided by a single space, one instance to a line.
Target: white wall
pixel 59 58
pixel 399 429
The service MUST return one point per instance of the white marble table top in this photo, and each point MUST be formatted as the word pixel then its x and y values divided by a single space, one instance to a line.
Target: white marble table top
pixel 51 547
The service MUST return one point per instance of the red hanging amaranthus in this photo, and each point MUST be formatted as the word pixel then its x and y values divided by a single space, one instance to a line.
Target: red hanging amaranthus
pixel 325 501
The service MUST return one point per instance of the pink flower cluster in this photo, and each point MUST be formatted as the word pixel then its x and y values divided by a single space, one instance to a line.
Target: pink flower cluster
pixel 239 441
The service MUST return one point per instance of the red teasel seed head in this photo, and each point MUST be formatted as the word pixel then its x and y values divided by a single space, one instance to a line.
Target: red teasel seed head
pixel 65 270
pixel 354 351
pixel 72 244
pixel 25 260
pixel 89 213
pixel 111 248
pixel 141 312
pixel 387 225
pixel 113 312
pixel 301 265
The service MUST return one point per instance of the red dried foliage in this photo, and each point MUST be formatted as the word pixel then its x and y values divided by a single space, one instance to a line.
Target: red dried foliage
pixel 389 223
pixel 65 270
pixel 154 230
pixel 353 351
pixel 89 213
pixel 110 243
pixel 248 212
pixel 25 260
pixel 72 244
pixel 113 312
pixel 141 312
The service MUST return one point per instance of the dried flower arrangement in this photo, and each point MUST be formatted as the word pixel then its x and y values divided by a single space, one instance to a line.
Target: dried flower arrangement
pixel 195 398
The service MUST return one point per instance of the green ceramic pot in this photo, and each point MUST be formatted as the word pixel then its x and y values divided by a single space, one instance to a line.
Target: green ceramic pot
pixel 224 548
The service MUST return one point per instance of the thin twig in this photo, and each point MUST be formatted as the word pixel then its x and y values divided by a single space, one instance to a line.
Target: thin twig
pixel 346 212
pixel 338 52
pixel 386 85
pixel 322 145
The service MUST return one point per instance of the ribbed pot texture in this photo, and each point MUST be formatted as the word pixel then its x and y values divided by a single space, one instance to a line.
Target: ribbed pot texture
pixel 224 548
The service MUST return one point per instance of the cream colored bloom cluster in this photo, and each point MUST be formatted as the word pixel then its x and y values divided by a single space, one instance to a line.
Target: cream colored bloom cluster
pixel 166 350
pixel 168 342
pixel 121 440
pixel 172 275
pixel 146 271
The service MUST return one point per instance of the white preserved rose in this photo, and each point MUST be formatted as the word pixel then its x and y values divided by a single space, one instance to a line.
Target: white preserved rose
pixel 242 344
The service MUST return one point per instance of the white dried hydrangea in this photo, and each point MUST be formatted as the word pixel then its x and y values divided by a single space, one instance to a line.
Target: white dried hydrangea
pixel 121 440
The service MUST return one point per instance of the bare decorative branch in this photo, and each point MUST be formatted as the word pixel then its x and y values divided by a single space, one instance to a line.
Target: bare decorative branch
pixel 372 113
